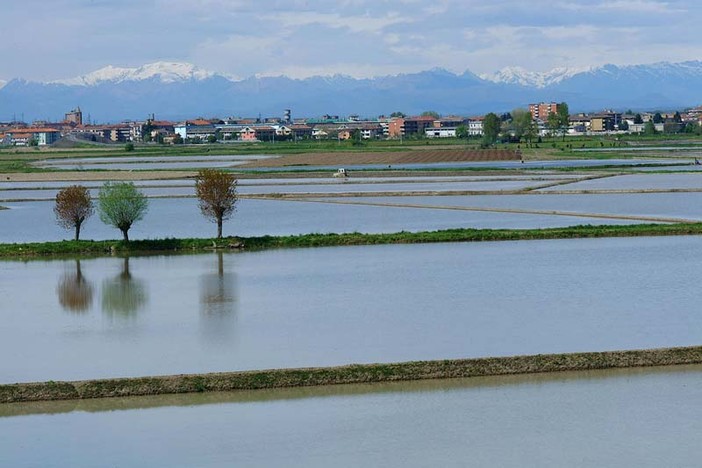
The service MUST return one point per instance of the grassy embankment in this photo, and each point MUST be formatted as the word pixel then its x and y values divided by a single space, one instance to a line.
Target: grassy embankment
pixel 355 373
pixel 86 247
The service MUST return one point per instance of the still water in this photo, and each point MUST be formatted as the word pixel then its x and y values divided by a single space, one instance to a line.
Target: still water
pixel 637 182
pixel 180 217
pixel 687 205
pixel 640 417
pixel 68 319
pixel 185 190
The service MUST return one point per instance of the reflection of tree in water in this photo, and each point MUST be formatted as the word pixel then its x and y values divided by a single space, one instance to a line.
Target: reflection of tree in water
pixel 218 301
pixel 123 295
pixel 75 293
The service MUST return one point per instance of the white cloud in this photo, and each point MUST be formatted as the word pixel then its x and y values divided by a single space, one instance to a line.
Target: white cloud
pixel 357 37
pixel 368 23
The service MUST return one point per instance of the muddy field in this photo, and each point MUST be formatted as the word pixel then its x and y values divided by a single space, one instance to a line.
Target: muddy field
pixel 389 158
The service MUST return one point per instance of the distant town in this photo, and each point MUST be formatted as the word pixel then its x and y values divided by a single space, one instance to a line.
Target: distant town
pixel 540 123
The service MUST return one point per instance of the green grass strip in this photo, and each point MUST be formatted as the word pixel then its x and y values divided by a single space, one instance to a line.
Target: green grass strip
pixel 355 373
pixel 108 247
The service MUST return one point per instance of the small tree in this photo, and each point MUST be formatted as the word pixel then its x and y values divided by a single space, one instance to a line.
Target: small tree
pixel 650 128
pixel 563 114
pixel 216 191
pixel 121 205
pixel 461 131
pixel 73 207
pixel 129 146
pixel 553 123
pixel 491 128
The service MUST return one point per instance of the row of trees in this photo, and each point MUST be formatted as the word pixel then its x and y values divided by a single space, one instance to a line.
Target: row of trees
pixel 521 125
pixel 121 204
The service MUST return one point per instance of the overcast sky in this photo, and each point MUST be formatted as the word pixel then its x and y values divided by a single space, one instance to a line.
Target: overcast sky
pixel 56 39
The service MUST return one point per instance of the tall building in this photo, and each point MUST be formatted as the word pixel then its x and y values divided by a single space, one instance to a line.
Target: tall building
pixel 542 110
pixel 74 117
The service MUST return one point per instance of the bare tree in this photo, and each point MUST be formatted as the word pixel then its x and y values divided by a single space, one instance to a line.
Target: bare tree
pixel 216 191
pixel 73 207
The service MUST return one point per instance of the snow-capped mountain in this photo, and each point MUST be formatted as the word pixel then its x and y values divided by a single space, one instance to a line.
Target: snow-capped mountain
pixel 523 77
pixel 2 83
pixel 180 90
pixel 165 72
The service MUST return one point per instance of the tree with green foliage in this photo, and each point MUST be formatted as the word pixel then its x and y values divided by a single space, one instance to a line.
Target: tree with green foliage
pixel 623 125
pixel 211 139
pixel 491 128
pixel 638 119
pixel 398 114
pixel 434 114
pixel 216 191
pixel 650 128
pixel 657 118
pixel 563 114
pixel 121 204
pixel 129 147
pixel 73 206
pixel 677 117
pixel 177 139
pixel 461 131
pixel 553 123
pixel 523 125
pixel 146 130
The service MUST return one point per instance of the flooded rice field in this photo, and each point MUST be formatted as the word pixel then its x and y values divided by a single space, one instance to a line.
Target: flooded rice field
pixel 110 317
pixel 180 217
pixel 197 162
pixel 639 417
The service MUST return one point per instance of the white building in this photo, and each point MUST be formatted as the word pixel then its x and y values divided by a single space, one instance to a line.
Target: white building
pixel 445 132
pixel 475 127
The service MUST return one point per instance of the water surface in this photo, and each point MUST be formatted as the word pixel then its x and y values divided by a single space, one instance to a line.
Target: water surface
pixel 329 306
pixel 180 217
pixel 643 418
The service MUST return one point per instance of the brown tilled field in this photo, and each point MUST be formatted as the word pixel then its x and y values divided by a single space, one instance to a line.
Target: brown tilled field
pixel 390 158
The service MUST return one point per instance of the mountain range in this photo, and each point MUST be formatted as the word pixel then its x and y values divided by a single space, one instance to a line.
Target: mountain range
pixel 182 90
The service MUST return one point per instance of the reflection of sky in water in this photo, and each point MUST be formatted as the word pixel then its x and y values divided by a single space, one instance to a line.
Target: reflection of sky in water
pixel 180 217
pixel 45 194
pixel 642 417
pixel 678 205
pixel 329 306
pixel 637 182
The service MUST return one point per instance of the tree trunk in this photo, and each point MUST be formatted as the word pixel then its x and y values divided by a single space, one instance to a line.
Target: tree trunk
pixel 219 227
pixel 125 234
pixel 78 230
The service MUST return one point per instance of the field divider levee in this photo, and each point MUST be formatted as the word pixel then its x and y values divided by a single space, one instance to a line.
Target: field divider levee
pixel 66 248
pixel 652 219
pixel 570 181
pixel 348 374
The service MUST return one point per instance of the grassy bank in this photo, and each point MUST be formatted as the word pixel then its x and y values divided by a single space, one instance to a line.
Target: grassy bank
pixel 86 247
pixel 356 373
